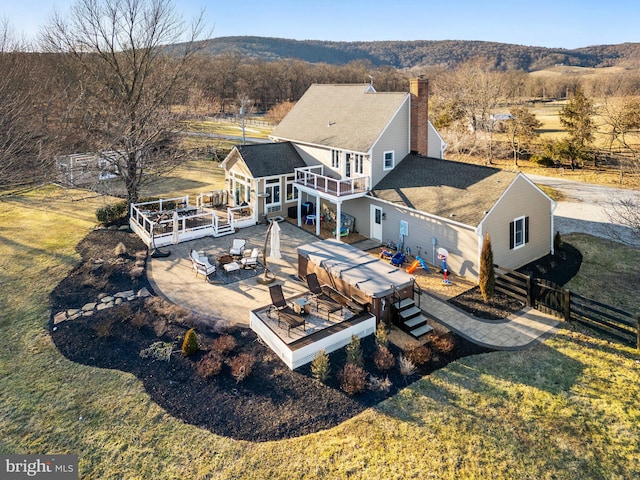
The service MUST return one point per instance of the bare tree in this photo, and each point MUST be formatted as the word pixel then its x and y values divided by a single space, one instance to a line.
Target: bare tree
pixel 21 129
pixel 127 79
pixel 522 128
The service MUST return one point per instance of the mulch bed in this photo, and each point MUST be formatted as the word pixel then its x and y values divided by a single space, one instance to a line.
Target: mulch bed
pixel 271 403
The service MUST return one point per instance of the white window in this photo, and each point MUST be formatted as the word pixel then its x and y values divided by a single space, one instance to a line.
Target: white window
pixel 272 189
pixel 292 192
pixel 518 232
pixel 388 160
pixel 359 163
pixel 335 159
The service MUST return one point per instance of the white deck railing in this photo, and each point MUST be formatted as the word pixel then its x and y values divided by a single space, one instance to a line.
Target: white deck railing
pixel 313 177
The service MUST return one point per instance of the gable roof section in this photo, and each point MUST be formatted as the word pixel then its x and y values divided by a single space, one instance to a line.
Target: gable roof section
pixel 346 117
pixel 269 159
pixel 457 191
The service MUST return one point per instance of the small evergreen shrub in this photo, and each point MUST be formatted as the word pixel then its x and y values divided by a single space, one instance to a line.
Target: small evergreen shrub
pixel 112 213
pixel 444 343
pixel 354 352
pixel 487 276
pixel 224 344
pixel 420 355
pixel 381 335
pixel 557 242
pixel 354 379
pixel 210 365
pixel 406 366
pixel 120 250
pixel 321 367
pixel 190 343
pixel 383 358
pixel 543 160
pixel 241 366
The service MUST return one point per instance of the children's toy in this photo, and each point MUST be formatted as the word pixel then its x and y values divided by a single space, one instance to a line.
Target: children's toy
pixel 417 263
pixel 398 259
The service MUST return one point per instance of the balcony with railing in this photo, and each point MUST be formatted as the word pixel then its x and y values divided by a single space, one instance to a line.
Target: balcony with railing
pixel 313 177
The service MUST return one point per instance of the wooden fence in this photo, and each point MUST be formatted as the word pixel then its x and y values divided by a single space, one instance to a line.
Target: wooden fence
pixel 551 298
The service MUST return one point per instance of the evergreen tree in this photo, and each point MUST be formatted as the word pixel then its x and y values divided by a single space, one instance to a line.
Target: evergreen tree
pixel 190 343
pixel 487 280
pixel 577 117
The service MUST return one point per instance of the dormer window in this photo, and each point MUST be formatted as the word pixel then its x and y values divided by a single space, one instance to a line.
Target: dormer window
pixel 389 161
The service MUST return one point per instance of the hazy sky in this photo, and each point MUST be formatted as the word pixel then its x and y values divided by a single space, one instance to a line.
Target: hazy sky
pixel 548 23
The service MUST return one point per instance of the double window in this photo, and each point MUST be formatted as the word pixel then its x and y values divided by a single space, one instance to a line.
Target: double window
pixel 272 189
pixel 518 232
pixel 389 161
pixel 358 165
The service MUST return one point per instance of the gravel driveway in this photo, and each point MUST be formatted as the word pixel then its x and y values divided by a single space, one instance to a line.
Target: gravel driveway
pixel 587 207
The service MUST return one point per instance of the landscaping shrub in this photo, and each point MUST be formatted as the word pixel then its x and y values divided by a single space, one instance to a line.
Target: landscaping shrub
pixel 557 242
pixel 354 379
pixel 378 384
pixel 158 351
pixel 444 343
pixel 320 366
pixel 381 335
pixel 543 160
pixel 190 343
pixel 224 344
pixel 139 319
pixel 354 352
pixel 103 327
pixel 210 365
pixel 159 307
pixel 112 213
pixel 136 272
pixel 487 277
pixel 407 367
pixel 242 365
pixel 120 250
pixel 420 355
pixel 383 358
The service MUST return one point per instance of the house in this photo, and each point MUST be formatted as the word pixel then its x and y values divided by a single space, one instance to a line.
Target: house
pixel 349 151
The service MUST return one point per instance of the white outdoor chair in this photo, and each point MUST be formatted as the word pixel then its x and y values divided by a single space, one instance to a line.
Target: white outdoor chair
pixel 237 248
pixel 252 260
pixel 201 265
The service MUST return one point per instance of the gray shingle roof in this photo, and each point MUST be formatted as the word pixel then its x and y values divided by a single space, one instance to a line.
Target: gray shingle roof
pixel 267 159
pixel 340 116
pixel 454 190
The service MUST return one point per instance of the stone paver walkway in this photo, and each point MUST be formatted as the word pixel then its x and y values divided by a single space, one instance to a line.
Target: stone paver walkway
pixel 174 279
pixel 516 332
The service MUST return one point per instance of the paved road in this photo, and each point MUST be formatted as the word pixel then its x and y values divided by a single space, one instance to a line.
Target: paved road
pixel 587 208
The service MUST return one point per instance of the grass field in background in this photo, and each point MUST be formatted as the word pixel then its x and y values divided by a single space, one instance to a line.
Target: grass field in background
pixel 567 408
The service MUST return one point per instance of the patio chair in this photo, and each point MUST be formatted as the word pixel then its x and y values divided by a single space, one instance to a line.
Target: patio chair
pixel 237 249
pixel 285 313
pixel 252 260
pixel 320 297
pixel 201 264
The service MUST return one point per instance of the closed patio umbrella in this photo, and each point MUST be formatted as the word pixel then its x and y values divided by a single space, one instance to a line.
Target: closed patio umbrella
pixel 275 242
pixel 175 237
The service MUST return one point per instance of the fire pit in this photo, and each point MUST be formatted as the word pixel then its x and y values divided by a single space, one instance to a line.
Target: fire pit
pixel 224 259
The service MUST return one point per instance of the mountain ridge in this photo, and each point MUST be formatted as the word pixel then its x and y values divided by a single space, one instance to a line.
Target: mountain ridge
pixel 423 53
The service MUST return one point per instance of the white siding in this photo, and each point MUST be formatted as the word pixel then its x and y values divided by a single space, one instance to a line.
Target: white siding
pixel 395 138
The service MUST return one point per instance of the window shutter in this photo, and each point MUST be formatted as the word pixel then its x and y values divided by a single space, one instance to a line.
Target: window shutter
pixel 511 233
pixel 526 229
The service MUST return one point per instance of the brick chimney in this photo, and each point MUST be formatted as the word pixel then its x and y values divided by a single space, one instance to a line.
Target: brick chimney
pixel 419 131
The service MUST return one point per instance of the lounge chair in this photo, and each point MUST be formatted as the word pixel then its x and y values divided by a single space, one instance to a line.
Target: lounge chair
pixel 252 260
pixel 285 313
pixel 201 264
pixel 320 297
pixel 237 249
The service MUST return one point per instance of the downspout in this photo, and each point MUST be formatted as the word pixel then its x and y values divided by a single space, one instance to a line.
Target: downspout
pixel 553 209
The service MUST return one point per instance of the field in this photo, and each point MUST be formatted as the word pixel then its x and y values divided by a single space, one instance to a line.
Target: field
pixel 564 409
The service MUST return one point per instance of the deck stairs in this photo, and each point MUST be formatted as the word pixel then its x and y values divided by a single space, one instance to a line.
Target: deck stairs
pixel 224 228
pixel 410 318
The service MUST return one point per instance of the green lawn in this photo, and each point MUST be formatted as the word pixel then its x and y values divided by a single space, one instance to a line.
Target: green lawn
pixel 567 408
